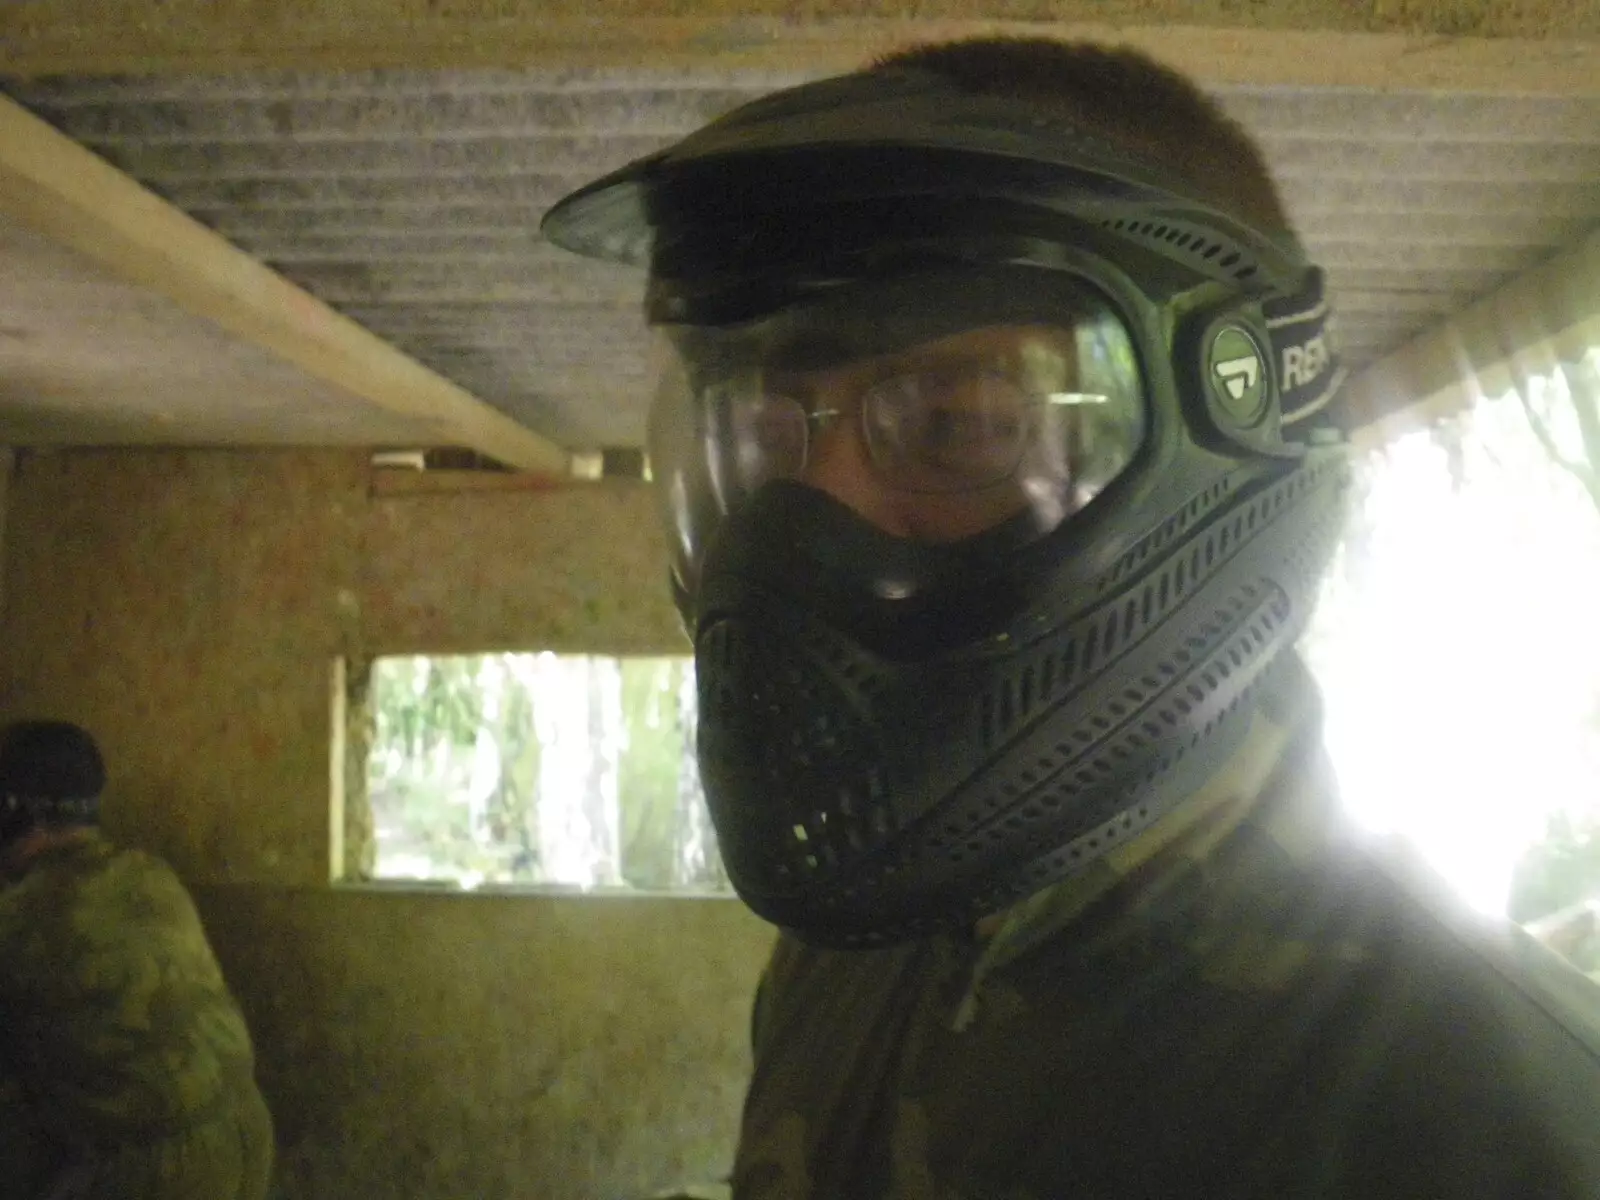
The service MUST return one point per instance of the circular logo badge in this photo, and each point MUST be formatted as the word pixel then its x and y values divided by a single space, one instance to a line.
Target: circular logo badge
pixel 1236 373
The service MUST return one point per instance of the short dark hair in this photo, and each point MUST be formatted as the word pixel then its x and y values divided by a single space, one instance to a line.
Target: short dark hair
pixel 1127 97
pixel 51 774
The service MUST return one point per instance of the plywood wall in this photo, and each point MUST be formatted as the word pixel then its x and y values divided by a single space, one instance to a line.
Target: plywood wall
pixel 187 607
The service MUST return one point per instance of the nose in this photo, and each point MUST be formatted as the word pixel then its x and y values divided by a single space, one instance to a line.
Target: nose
pixel 838 463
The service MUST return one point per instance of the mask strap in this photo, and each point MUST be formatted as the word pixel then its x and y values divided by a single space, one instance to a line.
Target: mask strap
pixel 1301 328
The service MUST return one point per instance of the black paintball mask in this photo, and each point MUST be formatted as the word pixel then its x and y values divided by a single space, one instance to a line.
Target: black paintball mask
pixel 998 474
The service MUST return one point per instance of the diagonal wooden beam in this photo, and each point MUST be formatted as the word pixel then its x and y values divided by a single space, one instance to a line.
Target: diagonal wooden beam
pixel 1536 45
pixel 62 191
pixel 1545 316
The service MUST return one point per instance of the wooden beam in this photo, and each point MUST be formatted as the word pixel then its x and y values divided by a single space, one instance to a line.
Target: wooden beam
pixel 1548 315
pixel 402 482
pixel 65 193
pixel 1548 46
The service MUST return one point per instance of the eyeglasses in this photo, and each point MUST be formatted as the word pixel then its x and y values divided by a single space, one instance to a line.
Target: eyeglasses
pixel 939 429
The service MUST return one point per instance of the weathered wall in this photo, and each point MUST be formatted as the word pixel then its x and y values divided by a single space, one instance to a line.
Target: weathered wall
pixel 460 1046
pixel 187 607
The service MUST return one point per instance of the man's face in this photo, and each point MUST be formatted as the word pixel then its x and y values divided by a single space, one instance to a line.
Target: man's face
pixel 931 442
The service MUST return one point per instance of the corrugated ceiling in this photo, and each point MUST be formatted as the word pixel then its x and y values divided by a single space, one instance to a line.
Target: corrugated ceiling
pixel 410 201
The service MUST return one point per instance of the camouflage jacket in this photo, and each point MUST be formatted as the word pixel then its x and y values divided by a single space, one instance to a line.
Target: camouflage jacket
pixel 125 1066
pixel 1249 1002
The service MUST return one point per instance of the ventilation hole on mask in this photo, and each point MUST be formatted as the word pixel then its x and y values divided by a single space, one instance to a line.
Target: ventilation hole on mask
pixel 1108 641
pixel 1223 544
pixel 1027 689
pixel 1088 659
pixel 1211 553
pixel 1168 671
pixel 1147 605
pixel 1178 578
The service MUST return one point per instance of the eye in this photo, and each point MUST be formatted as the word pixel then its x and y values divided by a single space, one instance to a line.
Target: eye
pixel 946 429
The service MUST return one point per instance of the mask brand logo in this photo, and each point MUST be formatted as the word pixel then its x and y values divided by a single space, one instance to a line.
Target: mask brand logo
pixel 1303 363
pixel 1239 375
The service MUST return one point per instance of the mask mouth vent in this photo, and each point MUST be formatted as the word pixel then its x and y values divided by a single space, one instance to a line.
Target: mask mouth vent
pixel 790 731
pixel 1195 245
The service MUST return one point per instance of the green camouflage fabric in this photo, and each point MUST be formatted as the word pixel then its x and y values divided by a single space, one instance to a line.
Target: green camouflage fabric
pixel 126 1069
pixel 1251 1001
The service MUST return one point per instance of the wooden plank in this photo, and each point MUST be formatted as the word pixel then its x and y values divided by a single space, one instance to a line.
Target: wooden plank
pixel 63 192
pixel 400 481
pixel 1549 47
pixel 1546 315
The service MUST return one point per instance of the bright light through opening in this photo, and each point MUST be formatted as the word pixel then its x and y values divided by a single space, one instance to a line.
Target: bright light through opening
pixel 1458 645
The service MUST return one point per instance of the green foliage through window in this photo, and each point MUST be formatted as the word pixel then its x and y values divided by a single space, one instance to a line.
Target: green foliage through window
pixel 522 768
